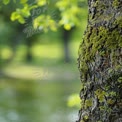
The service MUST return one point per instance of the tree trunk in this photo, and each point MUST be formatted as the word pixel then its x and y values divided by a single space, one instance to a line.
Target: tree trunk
pixel 1 72
pixel 15 41
pixel 29 43
pixel 100 63
pixel 66 36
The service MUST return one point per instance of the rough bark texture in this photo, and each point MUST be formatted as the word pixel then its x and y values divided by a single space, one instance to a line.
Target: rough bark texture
pixel 100 63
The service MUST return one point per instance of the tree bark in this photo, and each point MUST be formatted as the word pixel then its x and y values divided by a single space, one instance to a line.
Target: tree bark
pixel 100 63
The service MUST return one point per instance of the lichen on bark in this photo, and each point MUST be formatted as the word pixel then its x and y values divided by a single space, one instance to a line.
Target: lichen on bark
pixel 100 63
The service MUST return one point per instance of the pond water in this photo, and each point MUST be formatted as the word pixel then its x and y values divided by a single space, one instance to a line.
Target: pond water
pixel 31 101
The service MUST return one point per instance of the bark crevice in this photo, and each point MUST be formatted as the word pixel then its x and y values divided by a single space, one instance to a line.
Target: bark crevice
pixel 100 63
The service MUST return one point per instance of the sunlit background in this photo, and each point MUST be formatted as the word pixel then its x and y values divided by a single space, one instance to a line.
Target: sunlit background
pixel 39 77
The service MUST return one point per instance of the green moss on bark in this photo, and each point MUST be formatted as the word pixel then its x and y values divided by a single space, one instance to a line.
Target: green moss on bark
pixel 115 3
pixel 100 63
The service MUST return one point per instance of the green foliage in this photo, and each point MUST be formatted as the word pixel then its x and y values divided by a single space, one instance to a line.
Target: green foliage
pixel 17 16
pixel 45 22
pixel 42 2
pixel 23 1
pixel 69 13
pixel 6 1
pixel 5 32
pixel 20 14
pixel 74 100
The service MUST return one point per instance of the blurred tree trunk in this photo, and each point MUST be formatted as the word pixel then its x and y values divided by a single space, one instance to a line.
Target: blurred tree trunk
pixel 66 45
pixel 1 72
pixel 100 63
pixel 16 40
pixel 66 40
pixel 29 44
pixel 30 41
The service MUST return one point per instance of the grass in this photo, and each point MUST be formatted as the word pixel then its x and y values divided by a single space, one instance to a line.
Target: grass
pixel 61 72
pixel 46 66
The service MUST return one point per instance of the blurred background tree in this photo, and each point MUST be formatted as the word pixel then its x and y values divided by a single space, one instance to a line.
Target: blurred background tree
pixel 44 16
pixel 38 57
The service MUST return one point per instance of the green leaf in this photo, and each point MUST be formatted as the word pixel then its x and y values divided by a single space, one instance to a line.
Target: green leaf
pixel 14 16
pixel 14 1
pixel 21 20
pixel 67 26
pixel 42 2
pixel 23 1
pixel 74 100
pixel 17 16
pixel 45 22
pixel 6 1
pixel 25 11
